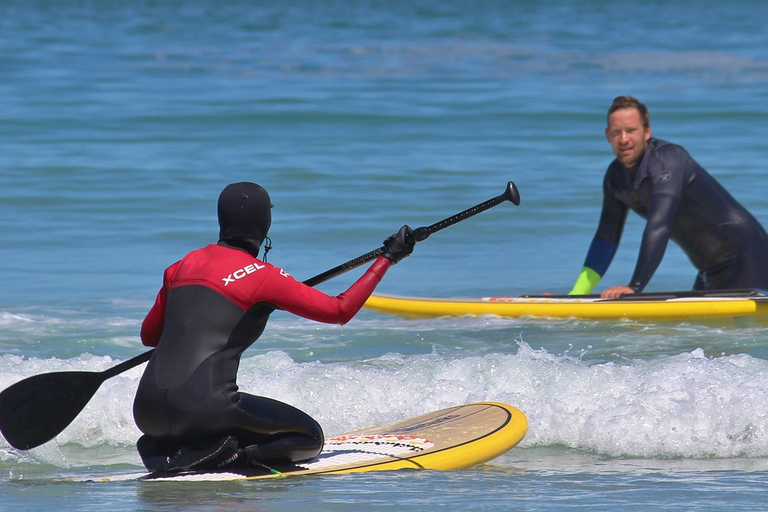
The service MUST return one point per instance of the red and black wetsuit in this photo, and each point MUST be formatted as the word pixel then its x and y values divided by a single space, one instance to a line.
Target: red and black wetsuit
pixel 684 203
pixel 208 311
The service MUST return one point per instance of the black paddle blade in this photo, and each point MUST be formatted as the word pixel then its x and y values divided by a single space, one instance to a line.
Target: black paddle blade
pixel 35 410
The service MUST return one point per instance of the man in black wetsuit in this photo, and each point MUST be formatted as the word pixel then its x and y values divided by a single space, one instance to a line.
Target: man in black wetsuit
pixel 681 202
pixel 213 304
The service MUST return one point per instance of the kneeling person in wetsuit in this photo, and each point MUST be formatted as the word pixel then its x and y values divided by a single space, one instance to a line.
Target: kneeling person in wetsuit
pixel 214 303
pixel 681 202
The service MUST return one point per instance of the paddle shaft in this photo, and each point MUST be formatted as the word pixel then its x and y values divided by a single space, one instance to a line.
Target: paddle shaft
pixel 32 415
pixel 420 234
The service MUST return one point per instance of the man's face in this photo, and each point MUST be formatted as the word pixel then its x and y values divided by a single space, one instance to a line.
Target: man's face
pixel 627 136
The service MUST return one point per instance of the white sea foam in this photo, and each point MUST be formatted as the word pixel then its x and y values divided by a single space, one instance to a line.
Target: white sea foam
pixel 687 405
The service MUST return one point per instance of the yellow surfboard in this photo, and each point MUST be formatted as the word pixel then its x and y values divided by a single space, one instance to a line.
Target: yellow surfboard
pixel 650 306
pixel 453 438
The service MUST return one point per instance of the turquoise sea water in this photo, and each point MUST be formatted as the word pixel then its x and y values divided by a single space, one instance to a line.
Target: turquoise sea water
pixel 121 122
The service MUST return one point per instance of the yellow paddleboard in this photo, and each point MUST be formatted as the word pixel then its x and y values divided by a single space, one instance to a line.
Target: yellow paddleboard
pixel 651 306
pixel 454 438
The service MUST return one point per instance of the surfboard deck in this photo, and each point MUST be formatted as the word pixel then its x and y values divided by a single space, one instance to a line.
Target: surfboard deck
pixel 642 306
pixel 453 438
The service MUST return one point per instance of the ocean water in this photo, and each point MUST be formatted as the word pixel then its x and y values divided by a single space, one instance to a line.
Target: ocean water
pixel 120 122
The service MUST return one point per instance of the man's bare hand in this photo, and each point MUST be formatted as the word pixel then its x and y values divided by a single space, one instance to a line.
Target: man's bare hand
pixel 615 292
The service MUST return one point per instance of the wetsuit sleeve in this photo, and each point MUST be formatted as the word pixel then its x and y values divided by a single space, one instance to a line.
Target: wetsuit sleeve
pixel 666 194
pixel 604 244
pixel 596 263
pixel 658 229
pixel 307 302
pixel 152 326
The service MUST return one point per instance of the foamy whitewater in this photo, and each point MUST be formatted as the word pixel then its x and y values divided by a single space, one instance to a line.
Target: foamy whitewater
pixel 684 405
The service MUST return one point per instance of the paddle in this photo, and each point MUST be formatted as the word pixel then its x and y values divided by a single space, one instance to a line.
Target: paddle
pixel 35 410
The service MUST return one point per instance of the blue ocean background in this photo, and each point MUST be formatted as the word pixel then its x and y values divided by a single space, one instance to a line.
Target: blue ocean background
pixel 120 122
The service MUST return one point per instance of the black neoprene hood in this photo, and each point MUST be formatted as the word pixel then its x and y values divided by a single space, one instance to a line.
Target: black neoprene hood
pixel 244 216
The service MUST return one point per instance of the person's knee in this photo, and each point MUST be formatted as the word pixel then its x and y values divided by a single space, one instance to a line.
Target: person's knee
pixel 318 434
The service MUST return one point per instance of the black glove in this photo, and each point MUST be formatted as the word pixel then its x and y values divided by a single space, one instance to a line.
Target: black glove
pixel 399 246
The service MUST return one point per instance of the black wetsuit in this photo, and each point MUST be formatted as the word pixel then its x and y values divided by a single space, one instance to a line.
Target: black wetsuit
pixel 684 203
